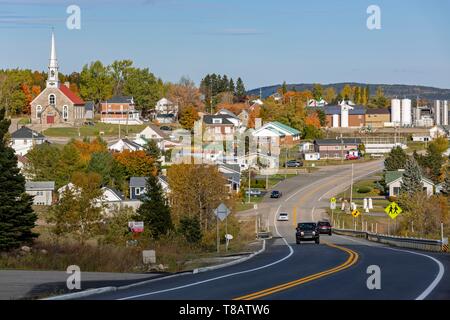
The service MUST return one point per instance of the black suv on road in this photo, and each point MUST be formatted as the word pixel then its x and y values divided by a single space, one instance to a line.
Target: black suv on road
pixel 324 227
pixel 307 231
pixel 276 194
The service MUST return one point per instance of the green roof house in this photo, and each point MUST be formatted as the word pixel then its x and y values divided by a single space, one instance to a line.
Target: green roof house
pixel 393 181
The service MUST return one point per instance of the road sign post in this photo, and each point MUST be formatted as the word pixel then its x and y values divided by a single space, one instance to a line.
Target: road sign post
pixel 393 210
pixel 332 207
pixel 221 213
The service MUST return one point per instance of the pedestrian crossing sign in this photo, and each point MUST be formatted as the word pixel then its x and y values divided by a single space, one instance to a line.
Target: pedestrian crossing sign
pixel 393 210
pixel 333 200
pixel 355 213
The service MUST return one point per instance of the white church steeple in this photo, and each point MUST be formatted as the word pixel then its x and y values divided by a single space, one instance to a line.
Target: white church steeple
pixel 52 80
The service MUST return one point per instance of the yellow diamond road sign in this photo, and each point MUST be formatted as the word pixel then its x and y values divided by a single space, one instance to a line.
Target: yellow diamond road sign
pixel 393 210
pixel 355 213
pixel 333 200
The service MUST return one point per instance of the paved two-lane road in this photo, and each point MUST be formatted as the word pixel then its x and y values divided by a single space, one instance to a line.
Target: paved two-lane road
pixel 335 269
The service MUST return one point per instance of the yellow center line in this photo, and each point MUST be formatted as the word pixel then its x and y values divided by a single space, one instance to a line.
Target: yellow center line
pixel 352 259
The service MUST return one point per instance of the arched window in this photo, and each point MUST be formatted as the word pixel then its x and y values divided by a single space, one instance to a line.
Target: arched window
pixel 52 99
pixel 38 111
pixel 65 112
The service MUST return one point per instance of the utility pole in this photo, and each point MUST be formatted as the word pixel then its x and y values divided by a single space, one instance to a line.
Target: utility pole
pixel 217 229
pixel 285 164
pixel 249 184
pixel 351 190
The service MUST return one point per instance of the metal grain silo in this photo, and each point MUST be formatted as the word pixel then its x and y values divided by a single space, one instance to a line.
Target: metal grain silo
pixel 406 112
pixel 396 110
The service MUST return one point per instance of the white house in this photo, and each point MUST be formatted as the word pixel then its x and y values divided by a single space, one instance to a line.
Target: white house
pixel 317 103
pixel 286 134
pixel 166 111
pixel 305 147
pixel 232 173
pixel 312 156
pixel 421 137
pixel 42 192
pixel 230 116
pixel 24 139
pixel 437 131
pixel 393 181
pixel 125 144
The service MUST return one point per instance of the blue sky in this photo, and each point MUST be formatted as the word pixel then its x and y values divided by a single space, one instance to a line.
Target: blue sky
pixel 264 41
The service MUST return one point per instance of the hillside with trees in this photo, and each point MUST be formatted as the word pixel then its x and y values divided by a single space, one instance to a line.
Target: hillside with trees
pixel 394 90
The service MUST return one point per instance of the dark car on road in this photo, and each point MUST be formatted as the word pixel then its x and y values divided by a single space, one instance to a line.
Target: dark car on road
pixel 307 231
pixel 324 227
pixel 294 164
pixel 276 194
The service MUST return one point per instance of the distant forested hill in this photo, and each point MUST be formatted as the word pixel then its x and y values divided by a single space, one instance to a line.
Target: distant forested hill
pixel 395 90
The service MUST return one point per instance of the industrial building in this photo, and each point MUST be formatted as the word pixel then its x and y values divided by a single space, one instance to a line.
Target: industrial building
pixel 401 112
pixel 429 116
pixel 345 115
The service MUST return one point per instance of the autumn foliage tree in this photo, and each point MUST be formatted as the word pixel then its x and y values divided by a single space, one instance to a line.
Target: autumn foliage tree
pixel 187 117
pixel 87 148
pixel 312 119
pixel 136 163
pixel 196 190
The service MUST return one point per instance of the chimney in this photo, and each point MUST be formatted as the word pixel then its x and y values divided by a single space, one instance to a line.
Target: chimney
pixel 67 84
pixel 258 123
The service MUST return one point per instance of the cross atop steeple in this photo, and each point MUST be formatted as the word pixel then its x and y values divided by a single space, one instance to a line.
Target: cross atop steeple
pixel 52 80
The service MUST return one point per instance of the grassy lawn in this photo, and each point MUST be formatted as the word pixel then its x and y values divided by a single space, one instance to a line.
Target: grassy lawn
pixel 24 121
pixel 380 223
pixel 363 188
pixel 333 162
pixel 244 205
pixel 92 131
pixel 416 146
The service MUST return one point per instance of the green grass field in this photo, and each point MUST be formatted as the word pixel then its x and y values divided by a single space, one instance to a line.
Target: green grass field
pixel 93 131
pixel 416 146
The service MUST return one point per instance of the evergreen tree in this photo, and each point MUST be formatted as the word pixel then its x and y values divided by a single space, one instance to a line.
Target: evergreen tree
pixel 231 86
pixel 190 228
pixel 153 150
pixel 284 88
pixel 412 178
pixel 240 89
pixel 17 218
pixel 396 159
pixel 317 91
pixel 154 211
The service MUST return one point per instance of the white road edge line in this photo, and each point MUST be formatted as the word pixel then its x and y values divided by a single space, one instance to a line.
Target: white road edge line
pixel 291 252
pixel 435 282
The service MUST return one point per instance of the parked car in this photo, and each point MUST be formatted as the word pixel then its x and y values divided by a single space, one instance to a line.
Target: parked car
pixel 166 128
pixel 253 192
pixel 324 227
pixel 307 231
pixel 89 123
pixel 351 157
pixel 294 164
pixel 276 194
pixel 283 216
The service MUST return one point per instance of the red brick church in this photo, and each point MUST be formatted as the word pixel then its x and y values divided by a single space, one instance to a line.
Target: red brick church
pixel 56 104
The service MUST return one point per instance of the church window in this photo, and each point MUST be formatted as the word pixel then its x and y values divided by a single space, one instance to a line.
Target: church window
pixel 65 112
pixel 38 111
pixel 52 99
